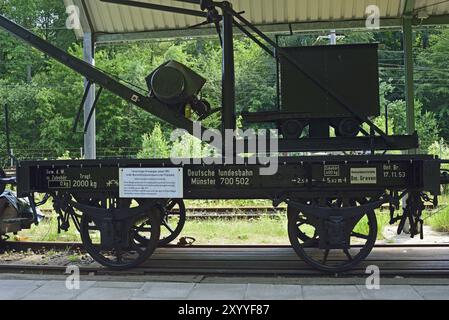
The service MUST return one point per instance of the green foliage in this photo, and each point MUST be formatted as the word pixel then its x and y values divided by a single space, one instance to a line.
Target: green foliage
pixel 433 90
pixel 187 146
pixel 440 220
pixel 439 148
pixel 44 95
pixel 426 121
pixel 154 145
pixel 47 19
pixel 67 156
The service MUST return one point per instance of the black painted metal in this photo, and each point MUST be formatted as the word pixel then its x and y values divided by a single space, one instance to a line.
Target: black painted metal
pixel 8 136
pixel 349 144
pixel 297 177
pixel 351 70
pixel 92 110
pixel 228 92
pixel 300 67
pixel 257 41
pixel 278 79
pixel 159 7
pixel 80 109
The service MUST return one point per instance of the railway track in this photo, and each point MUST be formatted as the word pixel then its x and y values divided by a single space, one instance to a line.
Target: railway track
pixel 242 213
pixel 393 260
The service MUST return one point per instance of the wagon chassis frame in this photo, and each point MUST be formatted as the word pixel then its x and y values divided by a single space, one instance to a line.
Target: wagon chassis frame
pixel 312 187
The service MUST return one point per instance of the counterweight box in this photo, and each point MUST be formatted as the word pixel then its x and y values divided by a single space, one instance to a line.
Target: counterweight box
pixel 350 70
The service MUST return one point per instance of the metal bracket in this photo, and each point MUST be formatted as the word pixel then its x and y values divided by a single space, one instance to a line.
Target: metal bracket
pixel 345 212
pixel 117 214
pixel 91 113
pixel 335 236
pixel 413 213
pixel 80 109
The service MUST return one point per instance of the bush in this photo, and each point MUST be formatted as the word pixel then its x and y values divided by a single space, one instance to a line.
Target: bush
pixel 154 145
pixel 440 221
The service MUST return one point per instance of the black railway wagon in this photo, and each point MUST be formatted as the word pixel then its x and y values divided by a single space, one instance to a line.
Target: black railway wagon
pixel 331 199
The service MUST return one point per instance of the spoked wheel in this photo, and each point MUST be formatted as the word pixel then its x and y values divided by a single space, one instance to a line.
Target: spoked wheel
pixel 121 244
pixel 173 221
pixel 333 244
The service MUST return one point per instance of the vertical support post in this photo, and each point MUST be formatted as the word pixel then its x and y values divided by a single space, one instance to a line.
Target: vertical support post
pixel 407 32
pixel 228 98
pixel 409 79
pixel 90 136
pixel 333 37
pixel 278 73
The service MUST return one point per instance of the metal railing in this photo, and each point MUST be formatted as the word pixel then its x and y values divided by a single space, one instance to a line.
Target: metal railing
pixel 78 153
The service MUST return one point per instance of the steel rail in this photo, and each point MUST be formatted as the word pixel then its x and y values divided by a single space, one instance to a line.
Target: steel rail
pixel 267 261
pixel 36 245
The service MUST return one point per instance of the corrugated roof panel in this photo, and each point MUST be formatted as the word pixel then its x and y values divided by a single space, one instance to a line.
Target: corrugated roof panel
pixel 301 11
pixel 112 18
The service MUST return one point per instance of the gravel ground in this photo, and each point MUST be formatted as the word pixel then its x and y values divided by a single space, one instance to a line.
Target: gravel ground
pixel 53 258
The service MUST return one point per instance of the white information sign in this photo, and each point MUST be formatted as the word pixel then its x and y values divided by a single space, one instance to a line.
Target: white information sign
pixel 363 175
pixel 164 183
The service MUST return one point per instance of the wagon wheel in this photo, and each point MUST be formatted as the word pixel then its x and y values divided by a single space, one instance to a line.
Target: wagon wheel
pixel 173 221
pixel 135 239
pixel 304 236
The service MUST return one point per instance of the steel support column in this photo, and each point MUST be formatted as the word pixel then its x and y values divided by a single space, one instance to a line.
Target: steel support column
pixel 407 31
pixel 409 79
pixel 228 93
pixel 90 148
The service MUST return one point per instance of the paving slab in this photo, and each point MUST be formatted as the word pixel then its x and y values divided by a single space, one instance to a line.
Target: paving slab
pixel 386 292
pixel 107 294
pixel 164 291
pixel 118 285
pixel 209 291
pixel 93 290
pixel 20 283
pixel 433 292
pixel 57 290
pixel 273 292
pixel 346 292
pixel 17 289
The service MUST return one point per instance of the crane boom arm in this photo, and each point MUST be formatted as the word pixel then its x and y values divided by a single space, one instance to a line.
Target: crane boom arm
pixel 94 75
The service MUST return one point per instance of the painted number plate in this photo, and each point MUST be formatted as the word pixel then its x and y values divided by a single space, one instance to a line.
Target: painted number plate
pixel 154 183
pixel 363 175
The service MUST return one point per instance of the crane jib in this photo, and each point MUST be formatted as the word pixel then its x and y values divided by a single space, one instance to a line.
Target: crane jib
pixel 94 75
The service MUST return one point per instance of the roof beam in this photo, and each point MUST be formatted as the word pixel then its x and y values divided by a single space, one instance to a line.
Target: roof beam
pixel 103 38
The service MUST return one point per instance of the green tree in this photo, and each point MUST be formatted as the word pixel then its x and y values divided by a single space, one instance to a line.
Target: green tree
pixel 426 123
pixel 154 145
pixel 433 85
